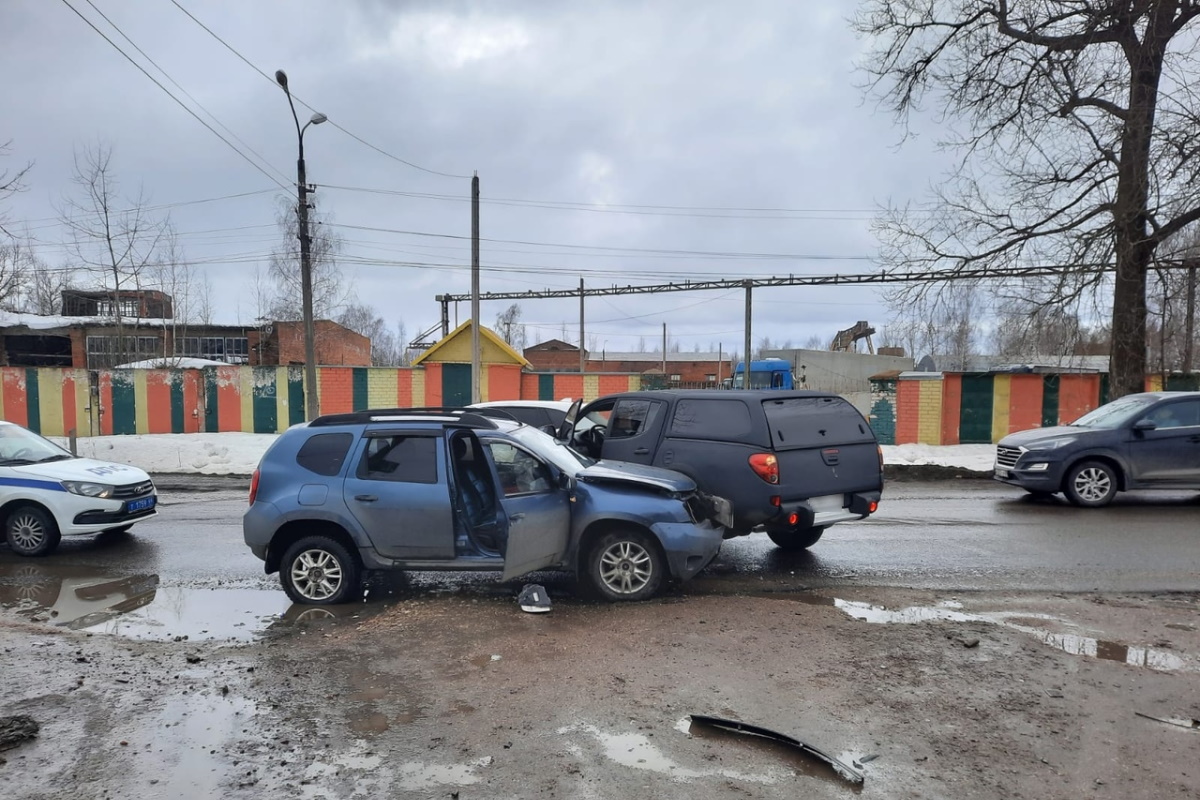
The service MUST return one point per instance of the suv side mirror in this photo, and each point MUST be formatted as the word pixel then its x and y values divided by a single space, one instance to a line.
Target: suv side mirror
pixel 1144 424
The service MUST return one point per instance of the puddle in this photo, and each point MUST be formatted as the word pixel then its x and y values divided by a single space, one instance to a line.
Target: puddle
pixel 378 775
pixel 1041 627
pixel 184 749
pixel 201 614
pixel 138 607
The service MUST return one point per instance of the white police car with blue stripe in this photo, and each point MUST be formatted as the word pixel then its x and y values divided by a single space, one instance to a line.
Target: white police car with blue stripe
pixel 47 493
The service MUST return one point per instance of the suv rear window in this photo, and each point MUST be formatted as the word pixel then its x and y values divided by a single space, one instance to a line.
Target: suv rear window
pixel 815 422
pixel 325 453
pixel 726 420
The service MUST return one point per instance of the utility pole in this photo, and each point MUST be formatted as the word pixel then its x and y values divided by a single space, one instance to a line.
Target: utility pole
pixel 311 400
pixel 664 351
pixel 582 357
pixel 1189 330
pixel 475 365
pixel 746 336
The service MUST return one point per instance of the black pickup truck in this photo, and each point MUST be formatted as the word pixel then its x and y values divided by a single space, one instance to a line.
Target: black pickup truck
pixel 792 463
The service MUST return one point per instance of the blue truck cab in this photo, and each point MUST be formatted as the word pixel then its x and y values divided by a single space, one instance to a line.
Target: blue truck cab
pixel 765 373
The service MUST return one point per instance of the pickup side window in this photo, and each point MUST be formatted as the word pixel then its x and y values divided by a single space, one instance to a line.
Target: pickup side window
pixel 325 453
pixel 815 422
pixel 407 459
pixel 711 419
pixel 631 417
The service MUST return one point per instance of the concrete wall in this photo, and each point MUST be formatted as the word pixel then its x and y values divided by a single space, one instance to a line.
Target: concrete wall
pixel 844 373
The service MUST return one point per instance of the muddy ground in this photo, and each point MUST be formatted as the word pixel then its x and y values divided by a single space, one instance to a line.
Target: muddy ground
pixel 966 696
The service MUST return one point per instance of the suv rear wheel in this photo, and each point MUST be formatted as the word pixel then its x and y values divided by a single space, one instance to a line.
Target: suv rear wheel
pixel 796 538
pixel 318 570
pixel 624 565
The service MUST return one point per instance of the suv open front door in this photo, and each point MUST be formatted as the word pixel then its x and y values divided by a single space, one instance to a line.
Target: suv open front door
pixel 536 503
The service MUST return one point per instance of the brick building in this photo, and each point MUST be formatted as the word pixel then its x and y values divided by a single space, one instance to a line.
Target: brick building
pixel 92 341
pixel 682 369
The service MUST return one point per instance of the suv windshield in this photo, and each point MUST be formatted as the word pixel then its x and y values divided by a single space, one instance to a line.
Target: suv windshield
pixel 20 446
pixel 1115 414
pixel 554 451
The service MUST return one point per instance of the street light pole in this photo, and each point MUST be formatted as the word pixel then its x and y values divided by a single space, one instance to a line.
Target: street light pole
pixel 311 403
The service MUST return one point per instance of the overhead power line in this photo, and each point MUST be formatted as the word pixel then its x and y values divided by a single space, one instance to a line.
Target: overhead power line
pixel 181 104
pixel 332 122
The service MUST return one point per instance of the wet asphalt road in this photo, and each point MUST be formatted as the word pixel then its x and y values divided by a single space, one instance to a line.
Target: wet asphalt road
pixel 960 535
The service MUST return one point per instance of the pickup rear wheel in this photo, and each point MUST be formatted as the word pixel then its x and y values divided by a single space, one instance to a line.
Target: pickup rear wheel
pixel 624 565
pixel 1091 484
pixel 796 538
pixel 31 531
pixel 319 571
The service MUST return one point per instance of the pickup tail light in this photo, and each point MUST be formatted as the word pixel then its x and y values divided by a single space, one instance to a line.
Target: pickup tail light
pixel 254 487
pixel 765 466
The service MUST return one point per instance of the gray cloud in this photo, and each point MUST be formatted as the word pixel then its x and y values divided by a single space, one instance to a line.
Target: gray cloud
pixel 702 104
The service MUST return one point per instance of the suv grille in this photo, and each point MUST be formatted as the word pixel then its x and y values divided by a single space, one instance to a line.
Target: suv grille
pixel 133 490
pixel 1007 456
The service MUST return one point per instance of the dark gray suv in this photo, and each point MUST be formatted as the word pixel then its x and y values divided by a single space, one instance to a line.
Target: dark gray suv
pixel 1140 441
pixel 792 463
pixel 453 489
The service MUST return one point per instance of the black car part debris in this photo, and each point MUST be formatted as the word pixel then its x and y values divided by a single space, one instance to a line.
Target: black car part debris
pixel 533 599
pixel 1179 722
pixel 844 770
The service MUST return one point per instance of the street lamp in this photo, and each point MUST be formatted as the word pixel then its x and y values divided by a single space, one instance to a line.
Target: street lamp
pixel 312 407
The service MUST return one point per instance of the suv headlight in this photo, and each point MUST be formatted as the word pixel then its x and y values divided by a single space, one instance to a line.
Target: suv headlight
pixel 1050 444
pixel 101 490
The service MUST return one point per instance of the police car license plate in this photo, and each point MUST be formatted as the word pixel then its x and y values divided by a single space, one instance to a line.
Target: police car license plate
pixel 140 505
pixel 1001 472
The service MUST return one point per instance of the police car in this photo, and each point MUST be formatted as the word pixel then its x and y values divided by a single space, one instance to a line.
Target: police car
pixel 47 493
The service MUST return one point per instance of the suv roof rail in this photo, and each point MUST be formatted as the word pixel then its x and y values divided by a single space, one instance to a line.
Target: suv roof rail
pixel 473 417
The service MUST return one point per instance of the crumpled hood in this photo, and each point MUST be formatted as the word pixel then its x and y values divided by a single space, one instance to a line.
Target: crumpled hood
pixel 625 472
pixel 85 469
pixel 1026 438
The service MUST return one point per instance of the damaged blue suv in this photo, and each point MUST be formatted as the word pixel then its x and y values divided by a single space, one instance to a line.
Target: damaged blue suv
pixel 464 489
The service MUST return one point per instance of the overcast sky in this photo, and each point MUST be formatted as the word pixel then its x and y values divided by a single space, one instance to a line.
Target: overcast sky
pixel 619 125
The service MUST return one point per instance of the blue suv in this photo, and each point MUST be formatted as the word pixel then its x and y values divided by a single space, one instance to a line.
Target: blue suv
pixel 467 489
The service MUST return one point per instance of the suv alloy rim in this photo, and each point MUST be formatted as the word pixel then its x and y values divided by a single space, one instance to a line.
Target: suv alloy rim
pixel 626 567
pixel 1093 484
pixel 26 530
pixel 316 574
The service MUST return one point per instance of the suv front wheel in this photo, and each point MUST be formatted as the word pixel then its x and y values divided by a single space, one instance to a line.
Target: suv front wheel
pixel 318 570
pixel 1091 484
pixel 624 565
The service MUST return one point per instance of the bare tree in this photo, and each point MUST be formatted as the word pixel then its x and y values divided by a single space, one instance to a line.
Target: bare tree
pixel 330 292
pixel 113 238
pixel 11 182
pixel 942 324
pixel 815 342
pixel 17 264
pixel 388 347
pixel 508 325
pixel 1081 142
pixel 176 276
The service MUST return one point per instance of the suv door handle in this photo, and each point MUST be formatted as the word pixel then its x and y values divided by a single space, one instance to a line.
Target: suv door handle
pixel 641 451
pixel 515 517
pixel 366 498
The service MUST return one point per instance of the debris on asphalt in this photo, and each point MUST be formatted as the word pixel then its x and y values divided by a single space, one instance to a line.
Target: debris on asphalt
pixel 843 770
pixel 1178 722
pixel 534 599
pixel 16 729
